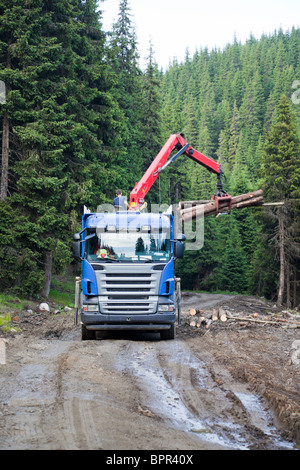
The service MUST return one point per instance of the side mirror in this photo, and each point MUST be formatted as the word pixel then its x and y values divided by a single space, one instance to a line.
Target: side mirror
pixel 179 249
pixel 76 246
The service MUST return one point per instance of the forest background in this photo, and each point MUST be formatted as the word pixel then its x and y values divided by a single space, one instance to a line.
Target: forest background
pixel 80 119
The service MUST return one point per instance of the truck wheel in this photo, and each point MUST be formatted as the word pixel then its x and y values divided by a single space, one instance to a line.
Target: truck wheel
pixel 87 334
pixel 168 334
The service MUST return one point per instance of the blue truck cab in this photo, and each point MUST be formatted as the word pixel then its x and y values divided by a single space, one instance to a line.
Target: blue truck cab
pixel 127 273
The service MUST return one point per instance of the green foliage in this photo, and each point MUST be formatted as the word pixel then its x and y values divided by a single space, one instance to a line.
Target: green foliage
pixel 84 119
pixel 63 122
pixel 228 100
pixel 281 171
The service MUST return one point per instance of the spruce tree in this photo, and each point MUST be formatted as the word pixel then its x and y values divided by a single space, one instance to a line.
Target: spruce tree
pixel 60 127
pixel 151 126
pixel 124 61
pixel 282 183
pixel 233 272
pixel 25 68
pixel 228 99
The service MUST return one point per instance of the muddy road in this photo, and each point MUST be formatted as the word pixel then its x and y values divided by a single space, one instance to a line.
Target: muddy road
pixel 226 387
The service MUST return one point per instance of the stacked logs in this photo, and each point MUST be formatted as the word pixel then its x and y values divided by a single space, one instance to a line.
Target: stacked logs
pixel 205 318
pixel 199 208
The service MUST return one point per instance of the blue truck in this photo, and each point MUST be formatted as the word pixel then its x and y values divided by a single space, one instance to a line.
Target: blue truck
pixel 127 257
pixel 127 273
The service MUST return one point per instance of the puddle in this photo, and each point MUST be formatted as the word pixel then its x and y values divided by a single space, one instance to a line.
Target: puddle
pixel 167 403
pixel 161 398
pixel 164 398
pixel 261 418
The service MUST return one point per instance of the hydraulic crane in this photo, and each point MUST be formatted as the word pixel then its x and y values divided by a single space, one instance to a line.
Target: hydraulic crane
pixel 161 162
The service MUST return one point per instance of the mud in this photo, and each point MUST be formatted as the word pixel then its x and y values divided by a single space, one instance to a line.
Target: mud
pixel 229 386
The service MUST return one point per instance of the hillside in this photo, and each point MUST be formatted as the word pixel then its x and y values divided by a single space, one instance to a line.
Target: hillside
pixel 81 119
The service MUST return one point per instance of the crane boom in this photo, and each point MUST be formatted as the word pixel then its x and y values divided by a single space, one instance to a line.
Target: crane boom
pixel 175 141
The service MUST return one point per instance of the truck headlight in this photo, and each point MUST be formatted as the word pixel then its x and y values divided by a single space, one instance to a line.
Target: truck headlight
pixel 166 308
pixel 90 308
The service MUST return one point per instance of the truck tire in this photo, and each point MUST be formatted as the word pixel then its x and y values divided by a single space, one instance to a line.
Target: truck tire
pixel 168 334
pixel 87 334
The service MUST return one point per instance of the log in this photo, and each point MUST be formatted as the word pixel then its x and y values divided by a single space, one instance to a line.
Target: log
pixel 222 315
pixel 192 311
pixel 214 316
pixel 251 202
pixel 243 200
pixel 182 204
pixel 274 203
pixel 270 322
pixel 212 203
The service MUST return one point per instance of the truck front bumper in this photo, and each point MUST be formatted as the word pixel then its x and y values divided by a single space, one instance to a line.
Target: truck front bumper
pixel 158 321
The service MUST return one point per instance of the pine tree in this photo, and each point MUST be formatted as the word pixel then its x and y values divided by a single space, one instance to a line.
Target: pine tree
pixel 282 182
pixel 227 99
pixel 234 135
pixel 252 107
pixel 234 272
pixel 150 124
pixel 151 119
pixel 23 57
pixel 25 64
pixel 60 136
pixel 123 58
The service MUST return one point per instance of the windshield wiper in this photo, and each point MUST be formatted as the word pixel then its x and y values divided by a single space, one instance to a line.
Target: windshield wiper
pixel 110 260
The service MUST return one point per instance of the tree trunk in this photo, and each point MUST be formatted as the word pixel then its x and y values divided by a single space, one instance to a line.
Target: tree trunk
pixel 5 141
pixel 48 274
pixel 295 289
pixel 288 285
pixel 5 156
pixel 282 260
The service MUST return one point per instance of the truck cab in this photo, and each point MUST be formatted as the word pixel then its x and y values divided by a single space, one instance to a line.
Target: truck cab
pixel 127 273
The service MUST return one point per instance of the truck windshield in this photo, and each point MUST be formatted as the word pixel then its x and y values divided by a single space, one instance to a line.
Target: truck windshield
pixel 127 246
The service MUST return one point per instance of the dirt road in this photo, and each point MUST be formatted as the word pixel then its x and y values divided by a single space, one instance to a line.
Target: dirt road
pixel 227 387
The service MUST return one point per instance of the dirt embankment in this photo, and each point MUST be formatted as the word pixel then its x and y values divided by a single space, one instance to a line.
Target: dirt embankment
pixel 219 385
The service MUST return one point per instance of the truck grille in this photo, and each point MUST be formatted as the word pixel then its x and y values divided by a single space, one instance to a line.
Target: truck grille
pixel 128 289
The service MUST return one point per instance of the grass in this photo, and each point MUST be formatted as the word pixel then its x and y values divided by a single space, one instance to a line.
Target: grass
pixel 10 306
pixel 6 324
pixel 10 302
pixel 62 291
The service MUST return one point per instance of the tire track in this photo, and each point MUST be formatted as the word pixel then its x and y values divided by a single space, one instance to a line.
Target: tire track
pixel 178 387
pixel 163 376
pixel 82 430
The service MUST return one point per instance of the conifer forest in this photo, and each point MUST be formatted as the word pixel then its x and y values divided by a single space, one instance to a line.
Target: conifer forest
pixel 81 118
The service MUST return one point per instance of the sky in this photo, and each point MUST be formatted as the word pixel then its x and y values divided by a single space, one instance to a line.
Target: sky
pixel 177 25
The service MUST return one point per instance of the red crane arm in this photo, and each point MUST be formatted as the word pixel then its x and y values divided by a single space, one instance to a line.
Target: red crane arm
pixel 175 141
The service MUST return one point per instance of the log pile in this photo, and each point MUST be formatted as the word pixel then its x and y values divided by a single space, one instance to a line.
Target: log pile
pixel 206 208
pixel 205 318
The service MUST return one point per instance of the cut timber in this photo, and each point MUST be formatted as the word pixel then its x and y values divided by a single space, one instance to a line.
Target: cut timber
pixel 274 203
pixel 188 204
pixel 222 315
pixel 214 316
pixel 192 311
pixel 209 208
